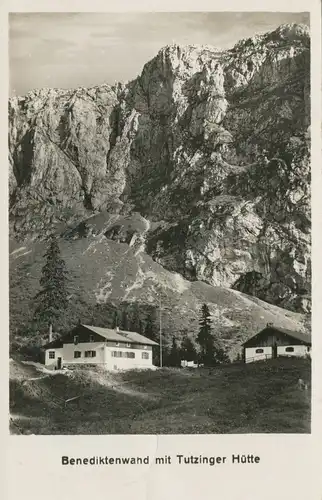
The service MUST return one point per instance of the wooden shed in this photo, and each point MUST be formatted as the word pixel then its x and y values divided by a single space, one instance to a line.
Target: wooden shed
pixel 273 342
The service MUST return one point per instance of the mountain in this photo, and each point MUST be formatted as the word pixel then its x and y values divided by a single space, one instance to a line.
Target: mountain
pixel 104 272
pixel 198 171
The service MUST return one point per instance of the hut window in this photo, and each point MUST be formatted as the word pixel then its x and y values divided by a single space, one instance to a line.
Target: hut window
pixel 128 345
pixel 77 354
pixel 76 339
pixel 259 351
pixel 117 354
pixel 91 338
pixel 289 349
pixel 51 354
pixel 145 355
pixel 90 354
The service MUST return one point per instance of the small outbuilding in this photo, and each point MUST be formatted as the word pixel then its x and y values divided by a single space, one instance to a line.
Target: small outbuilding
pixel 188 364
pixel 273 342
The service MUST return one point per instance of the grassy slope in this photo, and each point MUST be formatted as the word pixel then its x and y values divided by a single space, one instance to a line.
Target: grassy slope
pixel 237 398
pixel 103 270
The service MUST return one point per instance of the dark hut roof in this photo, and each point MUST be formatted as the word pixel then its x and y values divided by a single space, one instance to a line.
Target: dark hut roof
pixel 306 338
pixel 108 334
pixel 121 335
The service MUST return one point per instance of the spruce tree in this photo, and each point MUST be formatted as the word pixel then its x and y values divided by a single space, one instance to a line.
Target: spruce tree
pixel 151 328
pixel 134 321
pixel 205 338
pixel 124 324
pixel 114 319
pixel 174 354
pixel 188 350
pixel 53 297
pixel 151 331
pixel 212 351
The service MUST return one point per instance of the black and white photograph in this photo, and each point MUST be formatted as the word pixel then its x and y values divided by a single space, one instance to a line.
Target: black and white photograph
pixel 159 223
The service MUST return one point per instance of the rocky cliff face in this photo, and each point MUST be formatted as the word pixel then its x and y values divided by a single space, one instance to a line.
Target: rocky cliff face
pixel 210 147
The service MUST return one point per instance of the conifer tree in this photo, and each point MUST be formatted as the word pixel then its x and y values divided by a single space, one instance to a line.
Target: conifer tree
pixel 205 338
pixel 212 351
pixel 114 319
pixel 53 297
pixel 174 354
pixel 124 324
pixel 188 350
pixel 151 331
pixel 134 321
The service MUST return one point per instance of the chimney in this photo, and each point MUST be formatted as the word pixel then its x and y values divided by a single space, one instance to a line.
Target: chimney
pixel 50 333
pixel 269 325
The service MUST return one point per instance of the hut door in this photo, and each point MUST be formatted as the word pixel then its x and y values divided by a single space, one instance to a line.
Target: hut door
pixel 58 363
pixel 274 351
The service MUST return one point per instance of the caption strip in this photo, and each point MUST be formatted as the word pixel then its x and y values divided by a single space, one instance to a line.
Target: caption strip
pixel 165 460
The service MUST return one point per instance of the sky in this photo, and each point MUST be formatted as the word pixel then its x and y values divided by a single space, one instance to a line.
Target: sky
pixel 68 50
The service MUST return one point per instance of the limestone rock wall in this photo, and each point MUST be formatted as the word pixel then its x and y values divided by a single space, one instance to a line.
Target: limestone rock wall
pixel 211 147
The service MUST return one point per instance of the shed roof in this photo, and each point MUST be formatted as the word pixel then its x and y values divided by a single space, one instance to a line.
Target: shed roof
pixel 303 337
